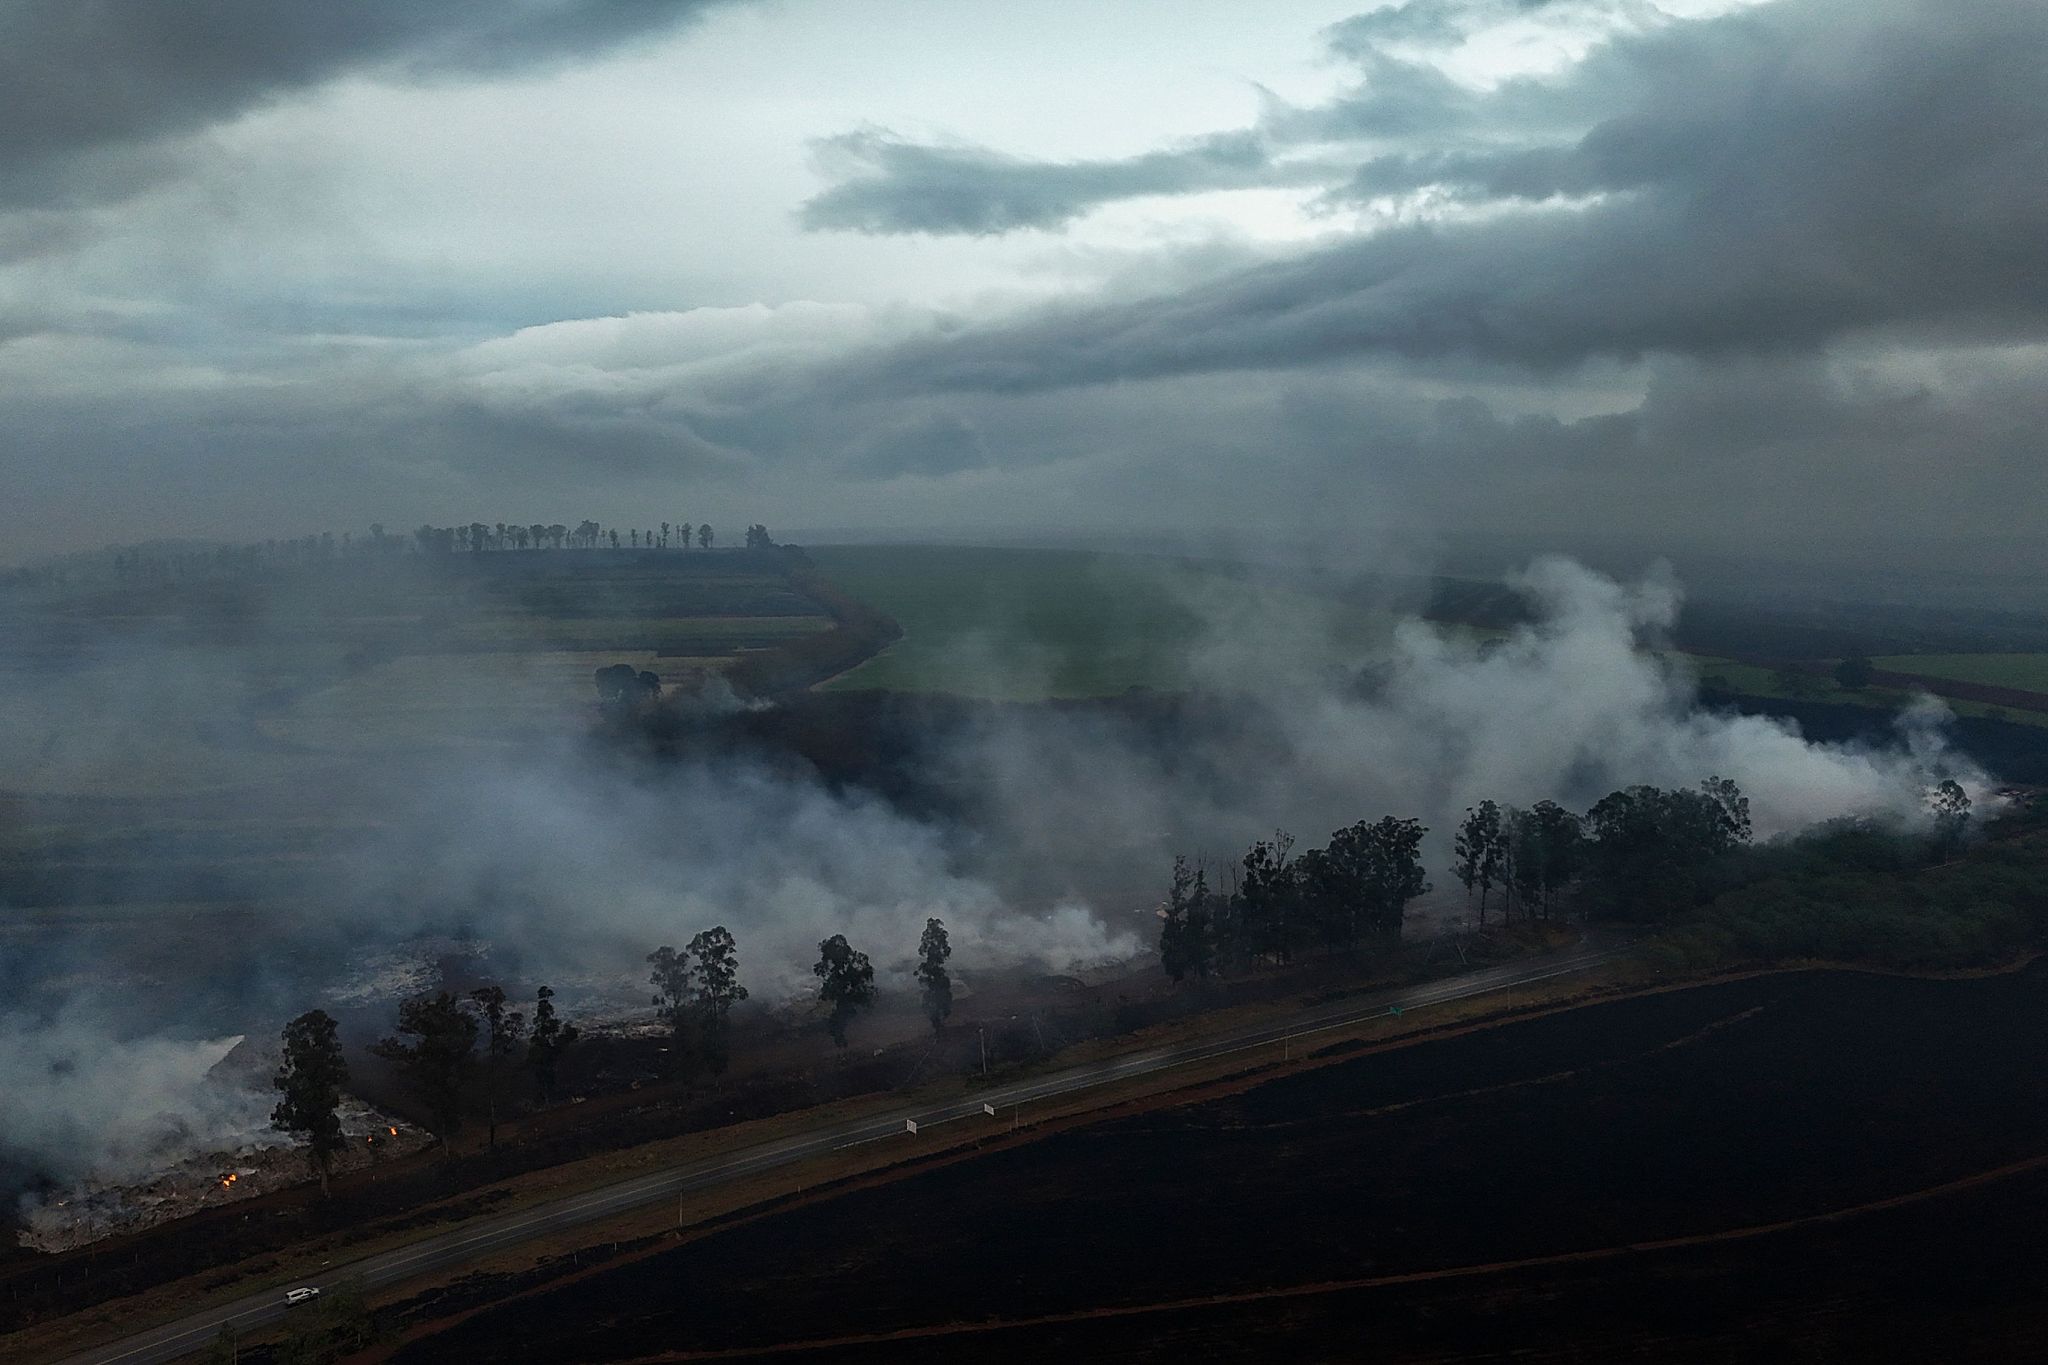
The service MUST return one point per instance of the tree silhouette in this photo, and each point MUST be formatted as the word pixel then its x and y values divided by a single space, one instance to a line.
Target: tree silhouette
pixel 671 981
pixel 716 989
pixel 1478 849
pixel 846 982
pixel 1951 807
pixel 502 1031
pixel 311 1081
pixel 1180 951
pixel 437 1059
pixel 549 1040
pixel 705 536
pixel 1264 912
pixel 933 948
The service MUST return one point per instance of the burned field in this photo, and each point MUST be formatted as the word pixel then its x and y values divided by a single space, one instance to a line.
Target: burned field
pixel 1681 1162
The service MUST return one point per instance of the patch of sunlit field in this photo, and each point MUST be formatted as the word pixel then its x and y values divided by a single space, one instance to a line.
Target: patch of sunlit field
pixel 2027 672
pixel 1032 625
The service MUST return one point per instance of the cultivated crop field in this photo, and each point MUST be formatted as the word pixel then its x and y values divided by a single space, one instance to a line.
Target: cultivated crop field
pixel 1028 625
pixel 166 690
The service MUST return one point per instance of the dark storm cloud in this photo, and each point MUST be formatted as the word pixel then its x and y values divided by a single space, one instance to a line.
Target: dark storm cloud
pixel 84 78
pixel 1768 180
pixel 889 185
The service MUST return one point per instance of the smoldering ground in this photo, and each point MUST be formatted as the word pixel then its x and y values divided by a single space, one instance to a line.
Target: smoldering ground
pixel 335 874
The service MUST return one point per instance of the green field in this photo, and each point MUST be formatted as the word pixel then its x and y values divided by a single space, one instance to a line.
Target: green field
pixel 2027 672
pixel 1027 625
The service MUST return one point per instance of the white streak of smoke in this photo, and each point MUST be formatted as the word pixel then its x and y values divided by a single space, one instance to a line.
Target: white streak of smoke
pixel 82 1100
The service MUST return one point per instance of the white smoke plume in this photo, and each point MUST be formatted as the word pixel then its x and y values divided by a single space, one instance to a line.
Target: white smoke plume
pixel 85 1101
pixel 1567 708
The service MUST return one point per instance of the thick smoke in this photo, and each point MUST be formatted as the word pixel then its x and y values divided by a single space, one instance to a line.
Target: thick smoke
pixel 82 1101
pixel 565 863
pixel 1424 722
pixel 575 867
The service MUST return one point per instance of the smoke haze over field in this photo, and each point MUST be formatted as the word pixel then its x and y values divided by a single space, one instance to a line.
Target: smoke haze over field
pixel 567 863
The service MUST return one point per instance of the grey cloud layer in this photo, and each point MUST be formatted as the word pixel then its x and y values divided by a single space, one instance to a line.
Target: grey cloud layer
pixel 1769 179
pixel 1774 280
pixel 81 79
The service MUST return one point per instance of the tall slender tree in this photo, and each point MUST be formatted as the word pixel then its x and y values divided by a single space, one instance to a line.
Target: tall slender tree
pixel 715 989
pixel 310 1082
pixel 549 1040
pixel 846 982
pixel 1478 850
pixel 502 1031
pixel 933 948
pixel 1173 921
pixel 671 981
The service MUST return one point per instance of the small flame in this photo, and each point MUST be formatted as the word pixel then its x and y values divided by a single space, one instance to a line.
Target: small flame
pixel 392 1131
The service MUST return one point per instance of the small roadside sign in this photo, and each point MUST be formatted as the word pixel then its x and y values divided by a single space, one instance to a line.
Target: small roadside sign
pixel 988 1109
pixel 910 1125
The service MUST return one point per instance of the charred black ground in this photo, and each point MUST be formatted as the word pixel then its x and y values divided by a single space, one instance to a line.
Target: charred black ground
pixel 1684 1114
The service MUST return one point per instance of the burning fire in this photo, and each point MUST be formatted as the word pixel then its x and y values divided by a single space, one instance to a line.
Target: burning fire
pixel 228 1179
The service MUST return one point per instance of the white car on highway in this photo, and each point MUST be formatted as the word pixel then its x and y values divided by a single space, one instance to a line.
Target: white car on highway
pixel 301 1294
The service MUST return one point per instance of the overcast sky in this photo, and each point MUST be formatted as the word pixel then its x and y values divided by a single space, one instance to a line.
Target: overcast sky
pixel 1709 277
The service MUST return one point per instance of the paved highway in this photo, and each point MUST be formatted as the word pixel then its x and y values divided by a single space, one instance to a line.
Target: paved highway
pixel 476 1240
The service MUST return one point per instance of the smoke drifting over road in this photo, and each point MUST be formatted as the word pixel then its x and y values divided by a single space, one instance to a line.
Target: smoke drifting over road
pixel 568 863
